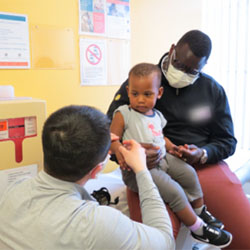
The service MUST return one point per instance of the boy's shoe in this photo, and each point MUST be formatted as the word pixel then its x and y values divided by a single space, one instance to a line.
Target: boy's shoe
pixel 210 219
pixel 214 236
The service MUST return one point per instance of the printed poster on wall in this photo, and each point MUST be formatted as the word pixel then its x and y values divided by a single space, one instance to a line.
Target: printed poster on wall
pixel 109 18
pixel 93 65
pixel 118 19
pixel 92 17
pixel 14 41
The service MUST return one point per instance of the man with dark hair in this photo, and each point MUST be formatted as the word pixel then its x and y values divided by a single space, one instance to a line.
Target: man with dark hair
pixel 200 124
pixel 54 211
pixel 66 155
pixel 199 43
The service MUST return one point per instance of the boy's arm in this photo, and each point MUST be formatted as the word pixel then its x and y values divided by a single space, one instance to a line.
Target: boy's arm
pixel 172 148
pixel 169 145
pixel 117 128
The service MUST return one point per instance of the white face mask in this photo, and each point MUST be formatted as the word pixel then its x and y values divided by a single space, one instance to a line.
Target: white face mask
pixel 179 79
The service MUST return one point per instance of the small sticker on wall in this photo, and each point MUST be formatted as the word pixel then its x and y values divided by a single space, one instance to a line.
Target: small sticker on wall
pixel 4 134
pixel 30 126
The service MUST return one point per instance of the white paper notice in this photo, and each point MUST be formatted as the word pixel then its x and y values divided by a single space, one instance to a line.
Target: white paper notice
pixel 118 19
pixel 93 62
pixel 14 41
pixel 10 176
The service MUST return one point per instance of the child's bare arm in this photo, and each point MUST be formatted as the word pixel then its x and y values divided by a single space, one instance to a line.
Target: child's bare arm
pixel 172 148
pixel 169 144
pixel 117 128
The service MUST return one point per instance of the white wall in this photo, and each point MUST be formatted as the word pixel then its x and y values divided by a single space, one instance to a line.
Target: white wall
pixel 156 24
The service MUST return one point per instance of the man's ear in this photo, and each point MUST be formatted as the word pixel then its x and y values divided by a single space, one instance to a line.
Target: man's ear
pixel 97 169
pixel 127 88
pixel 171 49
pixel 170 52
pixel 160 93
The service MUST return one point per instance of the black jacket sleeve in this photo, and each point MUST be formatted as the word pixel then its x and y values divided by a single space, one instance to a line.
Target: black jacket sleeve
pixel 221 143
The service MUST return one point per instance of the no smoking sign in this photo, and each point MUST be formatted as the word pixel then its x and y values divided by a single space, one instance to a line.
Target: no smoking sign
pixel 93 54
pixel 93 61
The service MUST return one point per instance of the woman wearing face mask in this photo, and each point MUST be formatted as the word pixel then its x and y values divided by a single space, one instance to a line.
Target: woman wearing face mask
pixel 200 124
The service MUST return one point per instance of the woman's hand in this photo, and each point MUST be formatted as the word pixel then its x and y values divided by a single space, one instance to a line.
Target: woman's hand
pixel 134 155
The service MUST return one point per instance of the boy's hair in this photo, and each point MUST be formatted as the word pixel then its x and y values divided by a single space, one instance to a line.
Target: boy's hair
pixel 199 43
pixel 75 139
pixel 145 69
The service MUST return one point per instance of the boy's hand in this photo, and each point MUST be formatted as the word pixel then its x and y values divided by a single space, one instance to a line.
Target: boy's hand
pixel 175 150
pixel 134 155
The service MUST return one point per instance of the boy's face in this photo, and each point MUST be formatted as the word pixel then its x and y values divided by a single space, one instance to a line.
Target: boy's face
pixel 143 92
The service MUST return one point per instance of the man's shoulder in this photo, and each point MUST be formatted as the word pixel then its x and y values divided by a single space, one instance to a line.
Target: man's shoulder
pixel 209 80
pixel 210 84
pixel 120 98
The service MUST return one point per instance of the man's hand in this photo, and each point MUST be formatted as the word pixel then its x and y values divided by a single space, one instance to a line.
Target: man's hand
pixel 190 153
pixel 134 155
pixel 153 154
pixel 174 150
